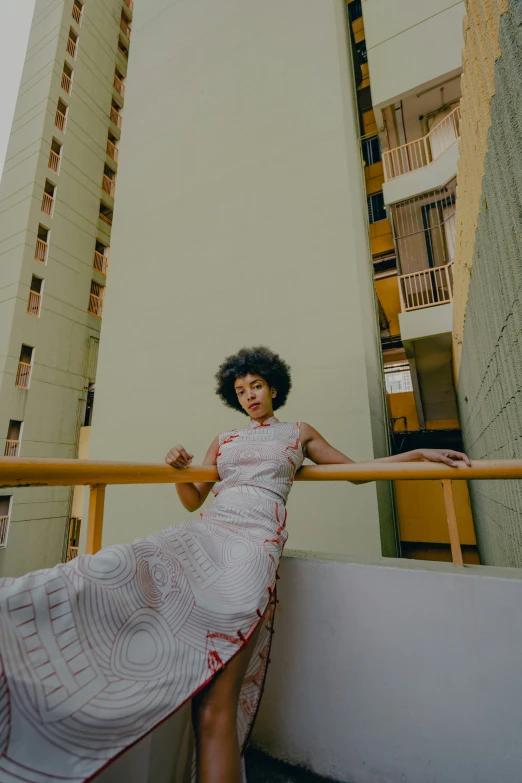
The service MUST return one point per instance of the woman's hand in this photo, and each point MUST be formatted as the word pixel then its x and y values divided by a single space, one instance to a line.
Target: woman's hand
pixel 447 456
pixel 178 457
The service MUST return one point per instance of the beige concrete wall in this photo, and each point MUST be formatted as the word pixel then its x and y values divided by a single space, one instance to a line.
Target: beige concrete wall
pixel 65 336
pixel 411 43
pixel 240 220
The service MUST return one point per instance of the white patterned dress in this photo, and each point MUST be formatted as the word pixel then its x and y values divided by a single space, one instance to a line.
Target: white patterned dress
pixel 97 652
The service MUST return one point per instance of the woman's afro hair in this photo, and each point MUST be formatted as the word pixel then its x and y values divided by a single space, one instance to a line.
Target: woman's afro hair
pixel 253 361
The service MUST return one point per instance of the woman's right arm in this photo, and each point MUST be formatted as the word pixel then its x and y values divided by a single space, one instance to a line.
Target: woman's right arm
pixel 192 495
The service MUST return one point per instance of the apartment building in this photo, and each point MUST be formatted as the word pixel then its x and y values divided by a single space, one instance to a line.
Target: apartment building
pixel 56 206
pixel 410 129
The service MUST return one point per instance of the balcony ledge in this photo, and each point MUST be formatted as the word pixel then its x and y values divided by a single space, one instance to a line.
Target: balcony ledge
pixel 430 177
pixel 425 322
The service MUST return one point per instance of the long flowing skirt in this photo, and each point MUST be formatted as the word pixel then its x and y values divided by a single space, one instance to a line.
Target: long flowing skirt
pixel 97 652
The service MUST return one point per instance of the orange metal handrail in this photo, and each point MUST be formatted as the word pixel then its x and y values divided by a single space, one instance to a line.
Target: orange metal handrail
pixel 66 83
pixel 129 4
pixel 125 26
pixel 60 120
pixel 116 117
pixel 421 152
pixel 41 251
pixel 54 161
pixel 77 13
pixel 119 85
pixel 23 375
pixel 95 305
pixel 51 472
pixel 11 449
pixel 112 150
pixel 100 262
pixel 47 204
pixel 108 185
pixel 72 48
pixel 105 218
pixel 33 306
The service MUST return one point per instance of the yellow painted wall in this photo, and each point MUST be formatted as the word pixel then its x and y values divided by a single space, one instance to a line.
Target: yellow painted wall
pixel 381 237
pixel 422 516
pixel 388 294
pixel 403 404
pixel 358 30
pixel 443 424
pixel 374 176
pixel 369 124
pixel 365 76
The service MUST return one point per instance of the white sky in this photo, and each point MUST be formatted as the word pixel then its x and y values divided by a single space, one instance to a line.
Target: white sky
pixel 16 16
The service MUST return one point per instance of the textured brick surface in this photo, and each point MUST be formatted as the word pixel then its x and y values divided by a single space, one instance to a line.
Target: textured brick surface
pixel 490 379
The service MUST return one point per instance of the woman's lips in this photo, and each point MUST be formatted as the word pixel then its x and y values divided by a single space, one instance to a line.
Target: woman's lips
pixel 254 405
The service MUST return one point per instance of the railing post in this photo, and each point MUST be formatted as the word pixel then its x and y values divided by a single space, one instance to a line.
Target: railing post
pixel 95 523
pixel 451 516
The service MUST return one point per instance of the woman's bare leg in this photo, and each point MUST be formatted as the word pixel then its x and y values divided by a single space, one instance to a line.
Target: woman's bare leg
pixel 214 717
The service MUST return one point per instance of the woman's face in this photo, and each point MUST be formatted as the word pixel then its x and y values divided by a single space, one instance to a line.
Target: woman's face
pixel 255 396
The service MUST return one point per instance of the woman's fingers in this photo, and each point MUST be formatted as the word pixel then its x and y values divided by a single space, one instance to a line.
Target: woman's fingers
pixel 178 457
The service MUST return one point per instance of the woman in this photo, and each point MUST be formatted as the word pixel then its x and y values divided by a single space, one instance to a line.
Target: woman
pixel 97 652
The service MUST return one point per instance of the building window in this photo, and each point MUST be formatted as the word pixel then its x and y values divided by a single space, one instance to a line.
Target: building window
pixel 61 116
pixel 55 156
pixel 376 208
pixel 42 244
pixel 35 296
pixel 96 299
pixel 371 151
pixel 25 366
pixel 89 407
pixel 101 257
pixel 72 44
pixel 77 11
pixel 116 117
pixel 49 195
pixel 122 48
pixel 398 378
pixel 362 54
pixel 67 78
pixel 109 181
pixel 106 213
pixel 14 436
pixel 5 516
pixel 125 24
pixel 355 10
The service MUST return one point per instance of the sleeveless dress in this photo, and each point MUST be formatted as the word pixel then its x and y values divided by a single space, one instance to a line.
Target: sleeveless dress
pixel 97 652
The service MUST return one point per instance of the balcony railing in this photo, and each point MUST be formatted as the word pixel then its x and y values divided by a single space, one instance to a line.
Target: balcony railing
pixel 105 218
pixel 116 117
pixel 12 448
pixel 60 120
pixel 72 552
pixel 125 26
pixel 33 306
pixel 77 13
pixel 421 152
pixel 108 185
pixel 66 83
pixel 426 288
pixel 72 48
pixel 112 150
pixel 100 262
pixel 54 161
pixel 48 204
pixel 23 375
pixel 40 254
pixel 4 527
pixel 119 85
pixel 129 4
pixel 95 305
pixel 97 475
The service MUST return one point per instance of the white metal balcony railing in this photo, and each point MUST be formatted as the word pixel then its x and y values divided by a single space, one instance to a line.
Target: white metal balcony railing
pixel 33 306
pixel 426 288
pixel 11 448
pixel 54 161
pixel 72 48
pixel 112 150
pixel 100 262
pixel 48 204
pixel 66 83
pixel 40 253
pixel 60 120
pixel 421 152
pixel 23 375
pixel 108 185
pixel 119 85
pixel 116 117
pixel 4 527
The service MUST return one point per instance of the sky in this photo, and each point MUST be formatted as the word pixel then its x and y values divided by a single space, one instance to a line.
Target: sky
pixel 16 16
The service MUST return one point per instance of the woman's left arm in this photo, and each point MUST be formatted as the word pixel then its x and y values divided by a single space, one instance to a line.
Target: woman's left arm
pixel 317 449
